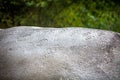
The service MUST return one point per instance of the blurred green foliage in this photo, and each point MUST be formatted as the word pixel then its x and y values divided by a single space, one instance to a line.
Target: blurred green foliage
pixel 100 14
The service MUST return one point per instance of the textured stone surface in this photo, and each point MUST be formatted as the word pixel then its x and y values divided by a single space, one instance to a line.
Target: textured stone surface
pixel 59 54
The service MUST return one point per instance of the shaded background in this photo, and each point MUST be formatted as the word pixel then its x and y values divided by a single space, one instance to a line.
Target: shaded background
pixel 99 14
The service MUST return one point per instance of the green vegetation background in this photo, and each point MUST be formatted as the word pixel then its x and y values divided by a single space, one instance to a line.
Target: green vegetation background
pixel 99 14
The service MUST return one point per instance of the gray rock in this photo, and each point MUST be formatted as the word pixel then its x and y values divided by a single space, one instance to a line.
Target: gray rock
pixel 59 54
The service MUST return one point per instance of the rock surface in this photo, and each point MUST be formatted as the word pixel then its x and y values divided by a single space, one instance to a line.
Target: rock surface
pixel 59 54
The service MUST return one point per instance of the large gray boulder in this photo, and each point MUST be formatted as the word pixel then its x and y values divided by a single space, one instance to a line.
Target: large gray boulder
pixel 59 54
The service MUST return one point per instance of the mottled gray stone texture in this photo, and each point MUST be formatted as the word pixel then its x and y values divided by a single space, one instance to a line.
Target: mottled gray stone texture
pixel 59 54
